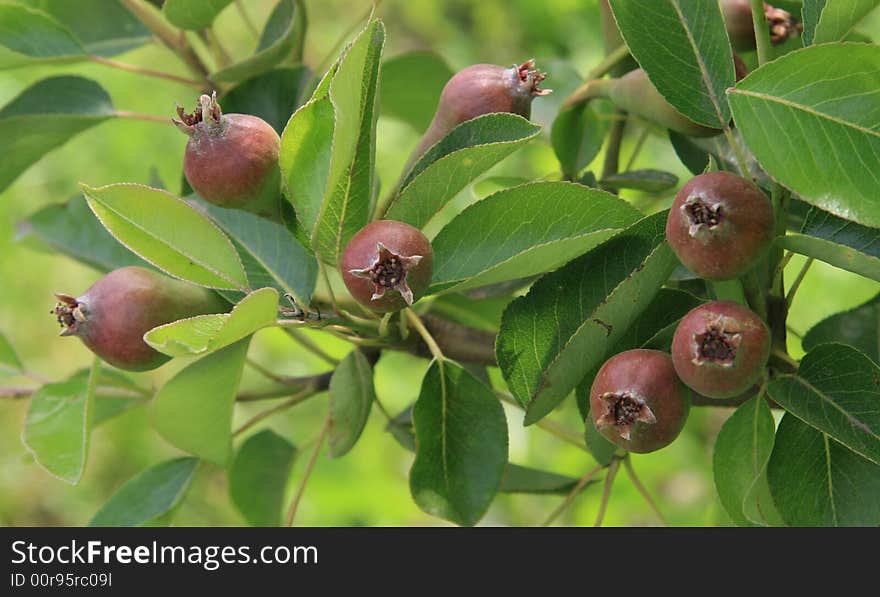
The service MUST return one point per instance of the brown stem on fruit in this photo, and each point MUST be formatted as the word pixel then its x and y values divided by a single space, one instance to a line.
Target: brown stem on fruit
pixel 310 465
pixel 571 495
pixel 627 463
pixel 606 490
pixel 132 68
pixel 169 36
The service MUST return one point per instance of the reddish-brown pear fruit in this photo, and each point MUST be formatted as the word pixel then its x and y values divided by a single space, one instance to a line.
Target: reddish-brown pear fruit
pixel 387 265
pixel 637 401
pixel 483 89
pixel 720 225
pixel 113 315
pixel 741 30
pixel 720 349
pixel 231 160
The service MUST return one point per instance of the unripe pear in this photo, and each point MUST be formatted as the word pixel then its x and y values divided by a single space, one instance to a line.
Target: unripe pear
pixel 231 160
pixel 113 315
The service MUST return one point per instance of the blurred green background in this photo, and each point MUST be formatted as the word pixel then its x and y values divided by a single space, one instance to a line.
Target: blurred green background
pixel 369 486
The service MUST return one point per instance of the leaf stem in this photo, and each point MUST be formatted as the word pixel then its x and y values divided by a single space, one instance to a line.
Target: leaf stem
pixel 606 490
pixel 249 23
pixel 571 495
pixel 291 513
pixel 301 396
pixel 789 298
pixel 615 139
pixel 310 345
pixel 627 463
pixel 579 95
pixel 132 68
pixel 762 31
pixel 139 116
pixel 416 322
pixel 640 143
pixel 566 435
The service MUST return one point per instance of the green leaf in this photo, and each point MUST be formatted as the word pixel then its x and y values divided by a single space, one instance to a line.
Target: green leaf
pixel 840 242
pixel 71 229
pixel 205 334
pixel 859 327
pixel 273 95
pixel 168 233
pixel 650 181
pixel 103 28
pixel 258 477
pixel 526 230
pixel 480 313
pixel 193 410
pixel 45 116
pixel 29 36
pixel 577 136
pixel 193 14
pixel 9 361
pixel 57 426
pixel 810 13
pixel 524 479
pixel 683 46
pixel 551 338
pixel 742 450
pixel 817 482
pixel 413 104
pixel 818 105
pixel 837 391
pixel 270 253
pixel 347 204
pixel 839 17
pixel 282 39
pixel 461 445
pixel 351 397
pixel 306 148
pixel 455 161
pixel 147 496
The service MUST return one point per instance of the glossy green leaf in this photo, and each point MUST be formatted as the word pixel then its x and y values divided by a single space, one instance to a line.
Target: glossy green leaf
pixel 9 361
pixel 413 104
pixel 810 13
pixel 282 39
pixel 347 204
pixel 455 161
pixel 270 253
pixel 306 147
pixel 205 334
pixel 45 116
pixel 193 410
pixel 742 450
pixel 524 479
pixel 817 482
pixel 859 327
pixel 258 476
pixel 168 233
pixel 650 181
pixel 193 14
pixel 103 28
pixel 273 95
pixel 461 445
pixel 57 426
pixel 577 136
pixel 71 229
pixel 818 105
pixel 525 230
pixel 551 338
pixel 29 36
pixel 147 496
pixel 690 62
pixel 839 17
pixel 351 396
pixel 840 242
pixel 837 391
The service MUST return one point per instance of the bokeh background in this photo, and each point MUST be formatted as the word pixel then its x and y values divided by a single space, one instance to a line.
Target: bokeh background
pixel 368 486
